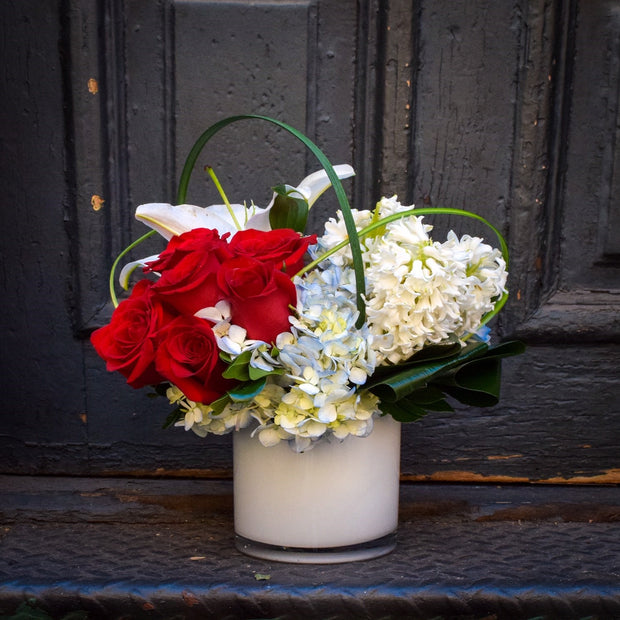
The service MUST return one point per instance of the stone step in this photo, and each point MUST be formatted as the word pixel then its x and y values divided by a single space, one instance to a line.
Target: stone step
pixel 149 548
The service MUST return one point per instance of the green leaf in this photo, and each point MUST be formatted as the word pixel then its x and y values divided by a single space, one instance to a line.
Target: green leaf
pixel 238 368
pixel 403 411
pixel 430 397
pixel 477 383
pixel 219 404
pixel 248 390
pixel 259 373
pixel 439 405
pixel 429 353
pixel 403 382
pixel 289 210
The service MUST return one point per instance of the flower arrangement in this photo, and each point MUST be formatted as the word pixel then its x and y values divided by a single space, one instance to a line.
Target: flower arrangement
pixel 237 328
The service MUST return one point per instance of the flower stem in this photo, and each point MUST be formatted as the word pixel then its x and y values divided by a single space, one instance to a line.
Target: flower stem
pixel 220 189
pixel 118 258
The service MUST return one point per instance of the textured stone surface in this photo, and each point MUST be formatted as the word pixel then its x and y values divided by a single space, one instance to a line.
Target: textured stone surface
pixel 161 549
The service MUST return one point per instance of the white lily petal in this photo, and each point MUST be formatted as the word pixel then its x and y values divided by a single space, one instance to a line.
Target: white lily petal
pixel 129 268
pixel 169 220
pixel 311 187
pixel 259 221
pixel 317 182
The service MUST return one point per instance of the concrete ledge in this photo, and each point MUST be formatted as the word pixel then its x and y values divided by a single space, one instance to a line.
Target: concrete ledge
pixel 127 548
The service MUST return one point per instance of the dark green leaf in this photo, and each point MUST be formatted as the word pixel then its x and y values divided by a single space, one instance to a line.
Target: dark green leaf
pixel 426 395
pixel 477 383
pixel 403 410
pixel 289 210
pixel 430 397
pixel 429 353
pixel 439 405
pixel 506 349
pixel 402 383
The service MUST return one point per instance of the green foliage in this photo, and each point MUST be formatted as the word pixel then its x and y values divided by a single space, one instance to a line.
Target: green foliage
pixel 289 210
pixel 470 375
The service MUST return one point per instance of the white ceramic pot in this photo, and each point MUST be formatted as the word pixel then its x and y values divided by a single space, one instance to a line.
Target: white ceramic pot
pixel 336 503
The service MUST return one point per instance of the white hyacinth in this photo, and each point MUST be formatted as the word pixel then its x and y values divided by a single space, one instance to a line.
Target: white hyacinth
pixel 420 291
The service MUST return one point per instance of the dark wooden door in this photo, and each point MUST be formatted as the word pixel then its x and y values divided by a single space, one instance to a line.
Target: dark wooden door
pixel 507 109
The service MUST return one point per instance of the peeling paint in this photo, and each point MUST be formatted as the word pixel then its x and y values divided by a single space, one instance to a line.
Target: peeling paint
pixel 610 476
pixel 96 202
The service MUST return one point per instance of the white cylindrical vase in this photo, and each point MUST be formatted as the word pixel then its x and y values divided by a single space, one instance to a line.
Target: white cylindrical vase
pixel 335 503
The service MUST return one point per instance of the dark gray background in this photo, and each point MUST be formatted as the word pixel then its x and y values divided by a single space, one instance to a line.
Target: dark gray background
pixel 508 109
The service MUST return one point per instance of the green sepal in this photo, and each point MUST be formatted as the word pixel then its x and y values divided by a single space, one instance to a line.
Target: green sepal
pixel 289 210
pixel 248 390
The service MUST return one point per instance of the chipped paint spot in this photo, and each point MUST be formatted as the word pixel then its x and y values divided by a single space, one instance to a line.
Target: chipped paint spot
pixel 610 476
pixel 462 476
pixel 97 202
pixel 83 417
pixel 504 457
pixel 190 599
pixel 93 86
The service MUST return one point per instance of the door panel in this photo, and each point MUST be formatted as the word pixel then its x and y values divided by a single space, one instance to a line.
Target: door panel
pixel 510 110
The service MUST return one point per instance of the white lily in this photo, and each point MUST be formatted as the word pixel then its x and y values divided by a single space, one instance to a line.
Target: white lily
pixel 170 220
pixel 129 268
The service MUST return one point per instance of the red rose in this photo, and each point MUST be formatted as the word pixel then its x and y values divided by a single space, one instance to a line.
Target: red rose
pixel 128 342
pixel 188 268
pixel 283 247
pixel 259 296
pixel 188 357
